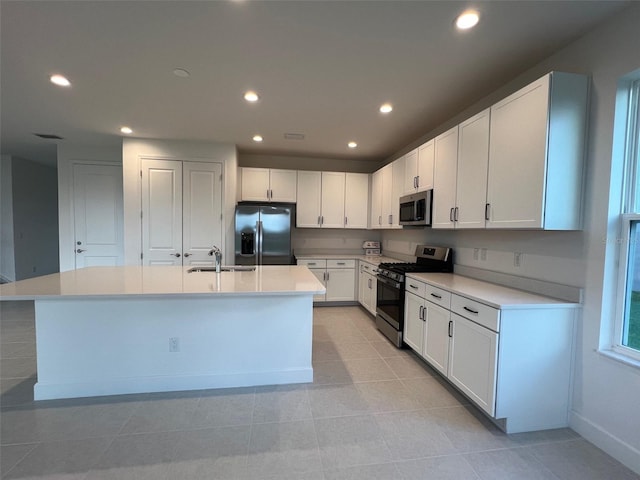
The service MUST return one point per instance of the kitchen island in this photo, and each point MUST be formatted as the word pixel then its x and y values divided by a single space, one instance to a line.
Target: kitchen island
pixel 118 330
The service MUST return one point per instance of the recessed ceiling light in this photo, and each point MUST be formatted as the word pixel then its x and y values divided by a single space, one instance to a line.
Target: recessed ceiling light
pixel 352 144
pixel 467 19
pixel 126 130
pixel 386 108
pixel 181 72
pixel 257 138
pixel 60 80
pixel 251 96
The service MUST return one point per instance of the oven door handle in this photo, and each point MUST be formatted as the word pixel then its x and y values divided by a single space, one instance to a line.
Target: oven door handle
pixel 389 282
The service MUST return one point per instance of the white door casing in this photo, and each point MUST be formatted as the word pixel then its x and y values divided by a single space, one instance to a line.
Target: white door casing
pixel 98 215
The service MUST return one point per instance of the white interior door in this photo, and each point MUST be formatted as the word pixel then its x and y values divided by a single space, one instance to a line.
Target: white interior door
pixel 201 211
pixel 98 215
pixel 162 212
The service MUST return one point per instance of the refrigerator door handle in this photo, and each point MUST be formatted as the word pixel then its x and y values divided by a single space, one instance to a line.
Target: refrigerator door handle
pixel 260 239
pixel 258 242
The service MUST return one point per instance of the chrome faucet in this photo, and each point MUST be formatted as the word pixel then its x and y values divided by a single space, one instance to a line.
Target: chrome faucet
pixel 218 253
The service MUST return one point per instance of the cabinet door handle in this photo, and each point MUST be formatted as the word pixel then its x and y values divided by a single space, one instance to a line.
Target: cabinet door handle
pixel 475 312
pixel 319 220
pixel 439 297
pixel 487 208
pixel 341 263
pixel 415 182
pixel 421 313
pixel 418 181
pixel 450 328
pixel 80 250
pixel 455 214
pixel 451 215
pixel 311 263
pixel 322 220
pixel 327 276
pixel 346 221
pixel 390 219
pixel 413 286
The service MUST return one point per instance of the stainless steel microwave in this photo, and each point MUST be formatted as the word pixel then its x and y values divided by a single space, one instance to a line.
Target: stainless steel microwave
pixel 415 209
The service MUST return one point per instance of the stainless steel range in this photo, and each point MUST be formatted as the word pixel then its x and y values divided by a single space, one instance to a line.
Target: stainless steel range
pixel 391 287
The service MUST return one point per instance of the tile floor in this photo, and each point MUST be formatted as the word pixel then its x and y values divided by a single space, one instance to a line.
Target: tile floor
pixel 373 412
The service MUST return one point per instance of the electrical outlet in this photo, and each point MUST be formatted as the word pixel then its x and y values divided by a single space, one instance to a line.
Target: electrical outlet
pixel 174 344
pixel 483 254
pixel 517 259
pixel 476 253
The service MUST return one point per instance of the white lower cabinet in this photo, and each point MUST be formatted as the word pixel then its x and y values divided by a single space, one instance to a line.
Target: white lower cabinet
pixel 513 362
pixel 367 287
pixel 338 277
pixel 473 361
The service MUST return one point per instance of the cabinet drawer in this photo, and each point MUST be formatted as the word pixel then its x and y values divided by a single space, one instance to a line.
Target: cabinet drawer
pixel 480 313
pixel 367 267
pixel 313 263
pixel 341 264
pixel 414 286
pixel 438 296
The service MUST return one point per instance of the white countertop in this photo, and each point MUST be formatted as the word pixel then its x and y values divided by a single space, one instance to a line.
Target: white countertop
pixel 490 294
pixel 163 281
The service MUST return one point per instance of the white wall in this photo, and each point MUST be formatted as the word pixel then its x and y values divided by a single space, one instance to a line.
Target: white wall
pixel 605 407
pixel 35 218
pixel 7 262
pixel 134 149
pixel 318 240
pixel 68 156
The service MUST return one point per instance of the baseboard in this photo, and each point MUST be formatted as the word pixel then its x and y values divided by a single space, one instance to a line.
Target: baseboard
pixel 618 449
pixel 123 386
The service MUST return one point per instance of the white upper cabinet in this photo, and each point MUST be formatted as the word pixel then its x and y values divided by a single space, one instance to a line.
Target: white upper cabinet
pixel 268 185
pixel 418 166
pixel 332 200
pixel 536 155
pixel 332 210
pixel 356 200
pixel 444 179
pixel 386 190
pixel 309 199
pixel 376 198
pixel 473 162
pixel 397 185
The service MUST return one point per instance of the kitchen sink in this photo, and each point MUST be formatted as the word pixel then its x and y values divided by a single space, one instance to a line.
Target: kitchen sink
pixel 231 268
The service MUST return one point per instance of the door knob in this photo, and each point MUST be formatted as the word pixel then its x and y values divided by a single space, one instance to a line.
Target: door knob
pixel 175 255
pixel 187 254
pixel 80 250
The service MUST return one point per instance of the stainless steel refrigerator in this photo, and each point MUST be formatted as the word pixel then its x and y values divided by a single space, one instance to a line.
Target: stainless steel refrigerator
pixel 263 234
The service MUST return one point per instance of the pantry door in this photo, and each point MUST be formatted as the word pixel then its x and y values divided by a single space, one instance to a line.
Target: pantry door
pixel 161 212
pixel 201 212
pixel 98 215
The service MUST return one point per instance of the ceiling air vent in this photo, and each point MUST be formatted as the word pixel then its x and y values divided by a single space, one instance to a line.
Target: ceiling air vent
pixel 48 136
pixel 294 136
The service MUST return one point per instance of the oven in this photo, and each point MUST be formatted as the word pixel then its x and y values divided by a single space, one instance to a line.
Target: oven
pixel 390 308
pixel 391 287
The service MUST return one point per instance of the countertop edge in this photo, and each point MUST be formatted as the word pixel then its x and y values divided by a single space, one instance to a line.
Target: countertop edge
pixel 545 302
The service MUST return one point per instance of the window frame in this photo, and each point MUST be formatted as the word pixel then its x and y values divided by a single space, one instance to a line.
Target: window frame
pixel 630 215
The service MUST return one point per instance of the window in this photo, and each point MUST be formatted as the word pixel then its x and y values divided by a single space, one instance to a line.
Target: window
pixel 628 325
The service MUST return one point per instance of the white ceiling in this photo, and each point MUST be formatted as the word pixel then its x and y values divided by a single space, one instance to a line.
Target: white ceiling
pixel 322 68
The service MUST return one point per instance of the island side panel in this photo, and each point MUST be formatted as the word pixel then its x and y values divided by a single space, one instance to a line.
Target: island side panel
pixel 91 347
